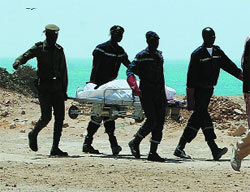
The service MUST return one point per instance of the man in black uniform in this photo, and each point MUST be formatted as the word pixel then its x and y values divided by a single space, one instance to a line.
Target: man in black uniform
pixel 148 65
pixel 52 86
pixel 203 72
pixel 107 60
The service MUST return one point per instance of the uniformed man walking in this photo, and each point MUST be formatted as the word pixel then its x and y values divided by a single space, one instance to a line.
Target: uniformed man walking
pixel 148 65
pixel 107 60
pixel 203 72
pixel 52 85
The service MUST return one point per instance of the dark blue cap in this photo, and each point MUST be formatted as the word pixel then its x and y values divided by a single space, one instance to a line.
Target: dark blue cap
pixel 116 29
pixel 151 35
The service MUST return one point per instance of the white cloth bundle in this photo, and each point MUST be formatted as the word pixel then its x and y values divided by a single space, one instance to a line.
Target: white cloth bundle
pixel 88 91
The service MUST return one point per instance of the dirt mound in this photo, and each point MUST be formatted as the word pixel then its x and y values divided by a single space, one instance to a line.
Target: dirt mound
pixel 223 109
pixel 21 81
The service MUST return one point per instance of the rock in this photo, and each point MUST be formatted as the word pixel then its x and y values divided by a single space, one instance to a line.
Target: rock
pixel 131 123
pixel 223 109
pixel 12 126
pixel 7 103
pixel 216 116
pixel 4 113
pixel 23 113
pixel 35 101
pixel 65 125
pixel 238 131
pixel 22 131
pixel 237 111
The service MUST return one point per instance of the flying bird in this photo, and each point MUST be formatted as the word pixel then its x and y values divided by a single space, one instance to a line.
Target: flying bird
pixel 30 8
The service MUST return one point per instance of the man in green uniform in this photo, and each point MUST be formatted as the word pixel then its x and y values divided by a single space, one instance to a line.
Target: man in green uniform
pixel 52 85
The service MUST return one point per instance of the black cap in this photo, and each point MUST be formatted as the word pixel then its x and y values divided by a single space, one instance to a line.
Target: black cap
pixel 116 29
pixel 151 35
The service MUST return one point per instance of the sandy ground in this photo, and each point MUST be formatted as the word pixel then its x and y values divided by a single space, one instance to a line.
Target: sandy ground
pixel 24 170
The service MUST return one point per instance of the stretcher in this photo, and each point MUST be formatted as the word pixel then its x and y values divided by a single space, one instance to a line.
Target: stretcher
pixel 114 100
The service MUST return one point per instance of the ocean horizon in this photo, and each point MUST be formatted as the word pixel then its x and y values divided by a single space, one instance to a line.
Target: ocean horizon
pixel 175 72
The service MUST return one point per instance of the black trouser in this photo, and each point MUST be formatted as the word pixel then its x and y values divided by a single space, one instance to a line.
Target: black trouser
pixel 154 106
pixel 94 125
pixel 48 101
pixel 200 118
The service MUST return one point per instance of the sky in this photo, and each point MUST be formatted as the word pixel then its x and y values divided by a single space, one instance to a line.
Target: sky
pixel 86 23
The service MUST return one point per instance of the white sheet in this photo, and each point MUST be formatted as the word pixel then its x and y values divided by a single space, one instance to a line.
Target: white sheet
pixel 88 91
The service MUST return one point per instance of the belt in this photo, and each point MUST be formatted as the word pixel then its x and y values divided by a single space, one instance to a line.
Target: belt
pixel 48 79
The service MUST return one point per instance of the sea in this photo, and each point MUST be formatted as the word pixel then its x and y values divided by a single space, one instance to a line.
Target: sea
pixel 175 72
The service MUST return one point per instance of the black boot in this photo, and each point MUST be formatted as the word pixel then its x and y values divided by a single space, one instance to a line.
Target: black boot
pixel 153 156
pixel 92 129
pixel 179 151
pixel 32 136
pixel 33 141
pixel 116 149
pixel 134 146
pixel 87 147
pixel 219 152
pixel 216 151
pixel 55 151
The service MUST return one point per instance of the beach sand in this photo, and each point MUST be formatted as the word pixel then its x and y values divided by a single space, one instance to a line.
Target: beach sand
pixel 24 170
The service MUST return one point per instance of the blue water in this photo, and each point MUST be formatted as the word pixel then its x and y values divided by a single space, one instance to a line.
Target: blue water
pixel 175 75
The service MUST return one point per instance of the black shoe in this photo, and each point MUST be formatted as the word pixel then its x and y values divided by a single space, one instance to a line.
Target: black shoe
pixel 116 150
pixel 134 149
pixel 217 155
pixel 89 149
pixel 181 153
pixel 32 141
pixel 155 157
pixel 57 152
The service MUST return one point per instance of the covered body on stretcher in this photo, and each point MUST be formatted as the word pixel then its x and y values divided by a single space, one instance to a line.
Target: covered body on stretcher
pixel 114 99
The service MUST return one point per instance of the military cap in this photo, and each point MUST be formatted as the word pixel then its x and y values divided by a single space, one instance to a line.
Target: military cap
pixel 116 29
pixel 151 35
pixel 51 27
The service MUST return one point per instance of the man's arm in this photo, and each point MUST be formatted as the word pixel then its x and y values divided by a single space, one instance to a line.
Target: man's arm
pixel 230 67
pixel 125 60
pixel 64 73
pixel 191 81
pixel 95 68
pixel 97 58
pixel 192 78
pixel 22 59
pixel 131 79
pixel 133 67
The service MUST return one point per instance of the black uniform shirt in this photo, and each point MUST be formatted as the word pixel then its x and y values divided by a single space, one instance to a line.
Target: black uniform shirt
pixel 107 61
pixel 204 69
pixel 149 67
pixel 51 63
